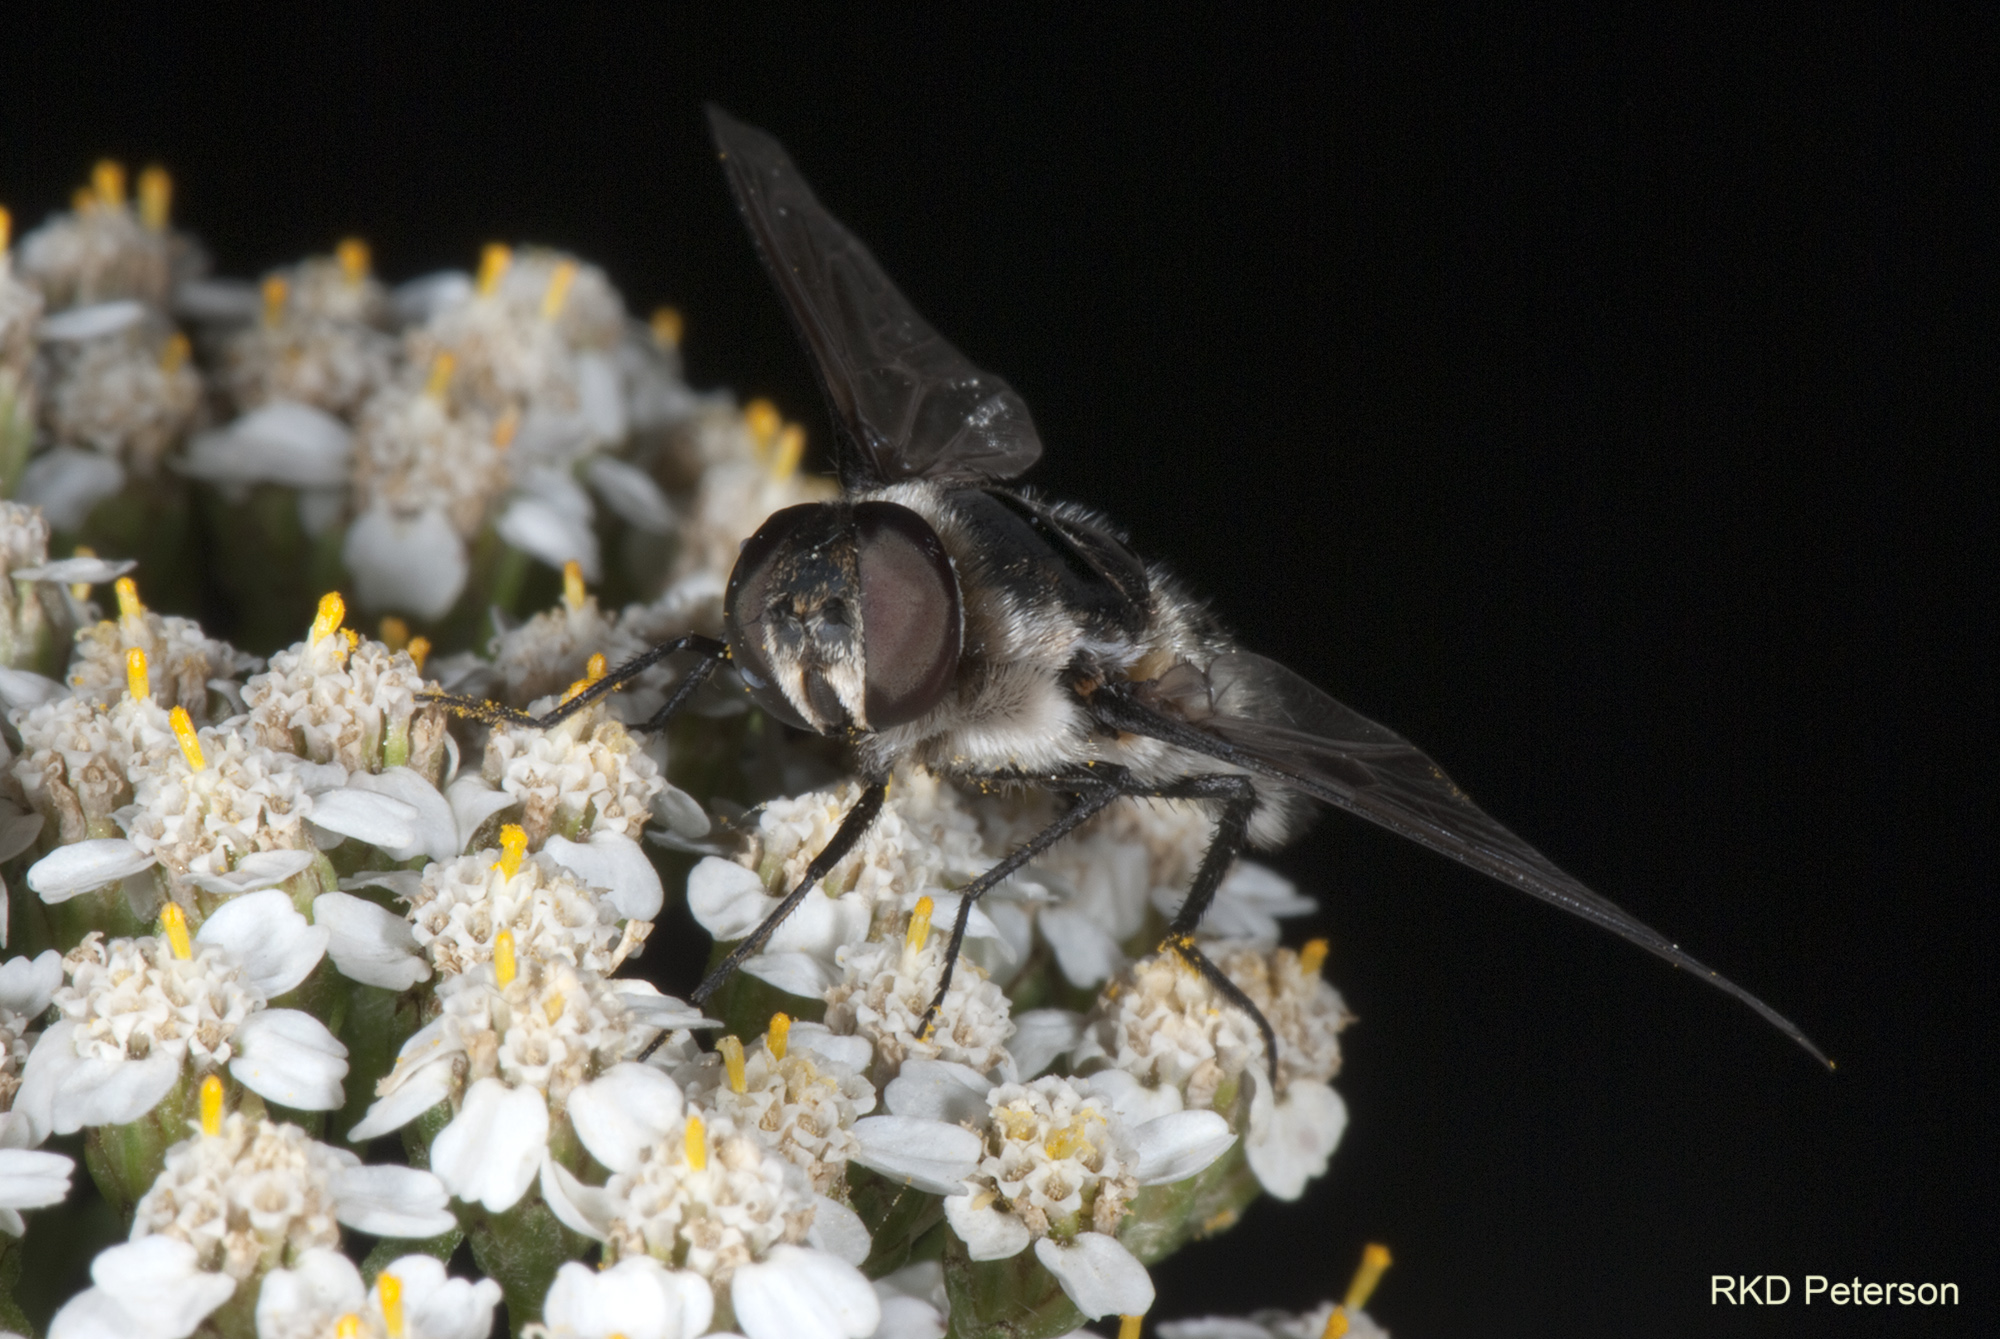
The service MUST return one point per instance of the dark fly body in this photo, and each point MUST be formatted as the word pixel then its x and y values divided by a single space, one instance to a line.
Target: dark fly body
pixel 936 614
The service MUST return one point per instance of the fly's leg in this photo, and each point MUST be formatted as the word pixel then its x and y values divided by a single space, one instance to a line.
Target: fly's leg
pixel 711 651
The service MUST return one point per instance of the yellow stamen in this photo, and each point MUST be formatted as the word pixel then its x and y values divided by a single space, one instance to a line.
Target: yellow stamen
pixel 79 589
pixel 390 1289
pixel 790 450
pixel 493 263
pixel 513 846
pixel 82 201
pixel 128 598
pixel 6 228
pixel 920 924
pixel 780 1033
pixel 667 327
pixel 760 416
pixel 503 957
pixel 395 633
pixel 174 353
pixel 352 255
pixel 557 293
pixel 137 681
pixel 211 1106
pixel 1374 1259
pixel 731 1050
pixel 276 291
pixel 190 742
pixel 442 367
pixel 1336 1324
pixel 696 1144
pixel 347 1327
pixel 174 925
pixel 1312 957
pixel 332 609
pixel 573 584
pixel 1062 1143
pixel 552 1008
pixel 420 649
pixel 505 427
pixel 107 182
pixel 156 197
pixel 1128 1326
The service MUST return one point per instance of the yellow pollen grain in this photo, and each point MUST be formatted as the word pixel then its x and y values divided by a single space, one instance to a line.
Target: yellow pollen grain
pixel 390 1289
pixel 79 589
pixel 573 592
pixel 332 609
pixel 420 650
pixel 493 263
pixel 107 182
pixel 189 741
pixel 352 256
pixel 596 667
pixel 791 448
pixel 137 682
pixel 174 353
pixel 276 291
pixel 174 925
pixel 1063 1143
pixel 1016 1123
pixel 156 197
pixel 211 1106
pixel 352 640
pixel 513 846
pixel 503 958
pixel 780 1033
pixel 505 427
pixel 731 1050
pixel 394 632
pixel 347 1327
pixel 1374 1259
pixel 668 327
pixel 439 382
pixel 920 925
pixel 695 1144
pixel 557 293
pixel 1128 1326
pixel 760 416
pixel 1312 957
pixel 552 1008
pixel 128 598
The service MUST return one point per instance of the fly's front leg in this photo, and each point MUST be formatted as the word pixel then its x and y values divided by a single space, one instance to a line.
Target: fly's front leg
pixel 711 651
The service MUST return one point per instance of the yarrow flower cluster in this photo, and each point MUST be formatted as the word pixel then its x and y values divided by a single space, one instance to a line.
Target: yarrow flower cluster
pixel 344 938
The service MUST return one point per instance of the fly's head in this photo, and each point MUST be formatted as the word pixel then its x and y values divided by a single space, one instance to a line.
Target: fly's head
pixel 844 616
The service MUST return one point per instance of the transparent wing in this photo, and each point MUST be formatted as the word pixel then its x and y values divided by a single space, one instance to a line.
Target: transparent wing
pixel 906 404
pixel 1268 719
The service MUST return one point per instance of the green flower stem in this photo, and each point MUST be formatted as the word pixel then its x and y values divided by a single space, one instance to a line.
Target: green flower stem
pixel 522 1249
pixel 897 1217
pixel 12 1251
pixel 377 1023
pixel 1013 1298
pixel 388 1250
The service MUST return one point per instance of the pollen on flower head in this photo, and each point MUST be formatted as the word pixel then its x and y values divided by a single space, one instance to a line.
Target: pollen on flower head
pixel 130 997
pixel 200 810
pixel 585 774
pixel 543 655
pixel 1052 1159
pixel 78 759
pixel 801 1105
pixel 462 905
pixel 329 700
pixel 180 660
pixel 119 393
pixel 886 989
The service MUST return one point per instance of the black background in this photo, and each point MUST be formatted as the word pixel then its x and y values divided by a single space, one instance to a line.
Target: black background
pixel 1601 399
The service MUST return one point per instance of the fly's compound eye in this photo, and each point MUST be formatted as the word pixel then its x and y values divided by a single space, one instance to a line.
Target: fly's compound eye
pixel 911 625
pixel 747 603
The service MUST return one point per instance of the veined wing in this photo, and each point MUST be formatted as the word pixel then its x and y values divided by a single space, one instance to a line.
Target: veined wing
pixel 1261 716
pixel 905 403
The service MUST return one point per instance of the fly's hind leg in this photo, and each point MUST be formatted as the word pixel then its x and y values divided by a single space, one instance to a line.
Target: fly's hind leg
pixel 711 651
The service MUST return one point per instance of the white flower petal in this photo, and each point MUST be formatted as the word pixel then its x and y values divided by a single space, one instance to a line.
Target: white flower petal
pixel 68 483
pixel 283 442
pixel 644 1002
pixel 288 1057
pixel 389 1201
pixel 219 300
pixel 416 300
pixel 379 820
pixel 28 984
pixel 728 900
pixel 938 1090
pixel 422 1090
pixel 276 946
pixel 1134 1102
pixel 473 802
pixel 436 829
pixel 321 1282
pixel 927 1154
pixel 797 1293
pixel 638 1297
pixel 614 862
pixel 258 870
pixel 542 530
pixel 1040 1035
pixel 855 1053
pixel 1098 1274
pixel 631 493
pixel 583 1209
pixel 794 973
pixel 600 397
pixel 370 943
pixel 988 1233
pixel 437 1306
pixel 30 1179
pixel 96 1314
pixel 75 571
pixel 680 813
pixel 492 1149
pixel 417 563
pixel 912 1318
pixel 1175 1147
pixel 407 884
pixel 1291 1141
pixel 1213 1327
pixel 624 1111
pixel 21 688
pixel 82 866
pixel 157 1278
pixel 836 1229
pixel 61 1092
pixel 1085 950
pixel 821 925
pixel 92 322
